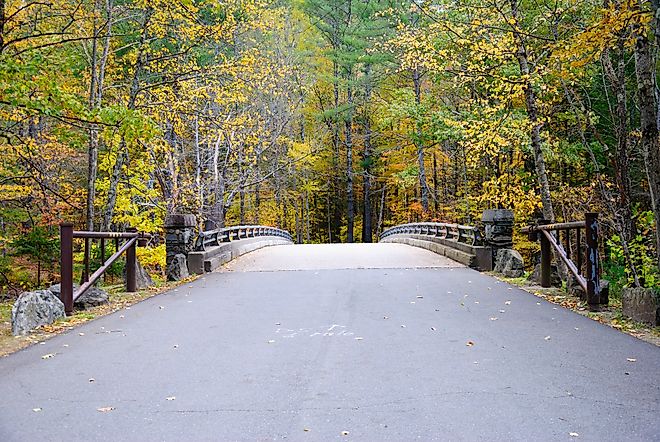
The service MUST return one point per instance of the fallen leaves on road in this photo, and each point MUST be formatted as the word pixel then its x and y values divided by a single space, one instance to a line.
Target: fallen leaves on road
pixel 105 409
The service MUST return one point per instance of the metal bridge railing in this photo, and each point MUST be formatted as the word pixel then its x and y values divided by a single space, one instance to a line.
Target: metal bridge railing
pixel 216 237
pixel 454 232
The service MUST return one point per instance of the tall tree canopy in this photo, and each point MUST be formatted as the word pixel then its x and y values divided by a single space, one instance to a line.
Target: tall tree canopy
pixel 332 118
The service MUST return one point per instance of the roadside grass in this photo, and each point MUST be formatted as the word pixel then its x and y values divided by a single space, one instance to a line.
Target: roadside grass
pixel 118 300
pixel 610 315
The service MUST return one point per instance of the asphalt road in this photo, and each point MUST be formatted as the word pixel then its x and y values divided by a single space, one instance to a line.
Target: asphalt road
pixel 433 351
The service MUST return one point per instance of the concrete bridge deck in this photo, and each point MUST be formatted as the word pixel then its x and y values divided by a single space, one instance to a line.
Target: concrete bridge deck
pixel 380 341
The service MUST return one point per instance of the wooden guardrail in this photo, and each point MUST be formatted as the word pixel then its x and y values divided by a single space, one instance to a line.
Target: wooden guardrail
pixel 216 237
pixel 550 237
pixel 454 232
pixel 130 239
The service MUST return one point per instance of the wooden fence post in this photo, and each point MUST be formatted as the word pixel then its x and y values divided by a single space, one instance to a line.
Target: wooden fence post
pixel 66 267
pixel 131 264
pixel 546 257
pixel 593 277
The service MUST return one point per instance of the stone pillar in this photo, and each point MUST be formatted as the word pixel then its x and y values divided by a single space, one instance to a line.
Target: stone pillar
pixel 498 225
pixel 179 240
pixel 498 234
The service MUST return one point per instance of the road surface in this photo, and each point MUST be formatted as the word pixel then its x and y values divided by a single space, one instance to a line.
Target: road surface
pixel 336 342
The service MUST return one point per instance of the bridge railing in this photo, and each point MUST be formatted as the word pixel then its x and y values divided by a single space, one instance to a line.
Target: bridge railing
pixel 216 237
pixel 131 239
pixel 469 235
pixel 590 281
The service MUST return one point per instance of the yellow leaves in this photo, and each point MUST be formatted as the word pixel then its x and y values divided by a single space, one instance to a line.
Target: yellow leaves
pixel 511 189
pixel 612 24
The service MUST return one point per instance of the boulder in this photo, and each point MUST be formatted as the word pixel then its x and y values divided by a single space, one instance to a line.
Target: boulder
pixel 34 309
pixel 93 297
pixel 56 289
pixel 573 287
pixel 641 304
pixel 177 268
pixel 555 279
pixel 509 263
pixel 142 278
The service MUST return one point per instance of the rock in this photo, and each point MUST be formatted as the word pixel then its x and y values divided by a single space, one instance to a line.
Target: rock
pixel 34 309
pixel 177 268
pixel 142 278
pixel 93 297
pixel 641 304
pixel 555 279
pixel 574 288
pixel 56 289
pixel 509 263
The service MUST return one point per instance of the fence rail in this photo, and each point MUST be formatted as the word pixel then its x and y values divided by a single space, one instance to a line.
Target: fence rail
pixel 216 237
pixel 454 232
pixel 131 239
pixel 590 281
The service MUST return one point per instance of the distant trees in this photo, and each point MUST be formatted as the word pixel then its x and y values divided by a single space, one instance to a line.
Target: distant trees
pixel 332 118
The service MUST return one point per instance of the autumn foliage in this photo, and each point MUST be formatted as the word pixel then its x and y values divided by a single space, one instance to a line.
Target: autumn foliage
pixel 333 119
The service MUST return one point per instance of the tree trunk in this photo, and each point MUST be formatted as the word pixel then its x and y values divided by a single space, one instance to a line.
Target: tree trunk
pixel 350 197
pixel 532 113
pixel 423 188
pixel 97 77
pixel 367 230
pixel 435 184
pixel 648 108
pixel 122 156
pixel 616 78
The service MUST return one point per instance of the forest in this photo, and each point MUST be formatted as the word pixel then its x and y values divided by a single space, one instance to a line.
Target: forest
pixel 332 119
